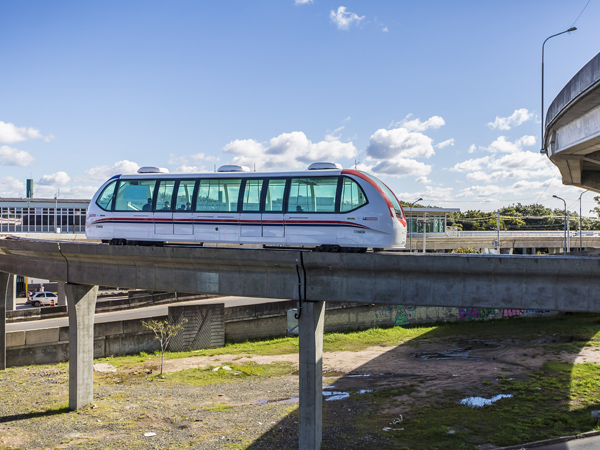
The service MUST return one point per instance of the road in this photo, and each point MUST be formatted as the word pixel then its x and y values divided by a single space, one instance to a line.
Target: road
pixel 590 443
pixel 136 313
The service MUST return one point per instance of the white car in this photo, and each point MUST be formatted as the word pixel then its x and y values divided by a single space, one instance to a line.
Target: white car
pixel 43 299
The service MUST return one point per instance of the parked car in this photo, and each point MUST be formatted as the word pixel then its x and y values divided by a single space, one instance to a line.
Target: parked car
pixel 43 299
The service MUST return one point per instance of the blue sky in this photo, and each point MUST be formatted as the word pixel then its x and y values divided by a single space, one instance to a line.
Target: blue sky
pixel 440 99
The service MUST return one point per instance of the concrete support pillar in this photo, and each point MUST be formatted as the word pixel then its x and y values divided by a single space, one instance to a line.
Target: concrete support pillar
pixel 11 293
pixel 4 293
pixel 62 297
pixel 82 306
pixel 311 325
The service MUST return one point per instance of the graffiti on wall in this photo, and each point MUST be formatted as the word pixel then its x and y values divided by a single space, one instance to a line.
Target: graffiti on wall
pixel 399 315
pixel 476 313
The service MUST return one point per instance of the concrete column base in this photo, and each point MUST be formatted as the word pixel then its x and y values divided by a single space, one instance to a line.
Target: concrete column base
pixel 82 306
pixel 311 325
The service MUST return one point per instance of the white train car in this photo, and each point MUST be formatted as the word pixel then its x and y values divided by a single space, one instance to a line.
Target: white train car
pixel 326 207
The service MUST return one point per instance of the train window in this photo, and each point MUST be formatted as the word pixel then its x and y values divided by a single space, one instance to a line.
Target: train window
pixel 352 195
pixel 218 195
pixel 274 197
pixel 185 191
pixel 135 195
pixel 104 200
pixel 312 194
pixel 165 195
pixel 251 197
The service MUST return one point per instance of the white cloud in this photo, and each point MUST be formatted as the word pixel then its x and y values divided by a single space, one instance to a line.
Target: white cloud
pixel 78 192
pixel 11 187
pixel 344 19
pixel 503 146
pixel 517 118
pixel 472 148
pixel 102 173
pixel 10 156
pixel 416 124
pixel 385 29
pixel 449 142
pixel 399 142
pixel 204 157
pixel 287 151
pixel 302 2
pixel 55 179
pixel 471 164
pixel 401 166
pixel 191 169
pixel 423 180
pixel 9 133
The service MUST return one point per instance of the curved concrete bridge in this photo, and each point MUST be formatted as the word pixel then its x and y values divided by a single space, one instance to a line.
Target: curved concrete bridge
pixel 572 138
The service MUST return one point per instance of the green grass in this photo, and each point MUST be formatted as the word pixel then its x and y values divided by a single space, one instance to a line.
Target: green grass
pixel 206 376
pixel 555 401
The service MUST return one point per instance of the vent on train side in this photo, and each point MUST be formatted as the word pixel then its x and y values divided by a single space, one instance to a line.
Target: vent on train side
pixel 233 168
pixel 325 166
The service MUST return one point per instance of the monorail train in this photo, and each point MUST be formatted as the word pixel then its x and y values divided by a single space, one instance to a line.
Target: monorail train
pixel 325 207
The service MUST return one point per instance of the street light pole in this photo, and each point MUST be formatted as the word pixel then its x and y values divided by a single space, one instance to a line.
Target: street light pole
pixel 565 224
pixel 580 246
pixel 411 223
pixel 543 149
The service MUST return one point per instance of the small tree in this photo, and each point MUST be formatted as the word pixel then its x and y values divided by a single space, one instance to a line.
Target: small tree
pixel 163 330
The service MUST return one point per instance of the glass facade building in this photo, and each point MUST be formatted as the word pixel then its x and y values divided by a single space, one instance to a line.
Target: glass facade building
pixel 33 215
pixel 432 220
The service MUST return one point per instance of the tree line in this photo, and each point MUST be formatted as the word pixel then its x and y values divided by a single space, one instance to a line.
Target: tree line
pixel 521 217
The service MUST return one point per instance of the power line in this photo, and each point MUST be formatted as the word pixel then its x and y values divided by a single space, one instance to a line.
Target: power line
pixel 586 5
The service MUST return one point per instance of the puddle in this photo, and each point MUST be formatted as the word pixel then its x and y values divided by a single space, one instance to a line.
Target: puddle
pixel 478 402
pixel 335 395
pixel 356 375
pixel 339 395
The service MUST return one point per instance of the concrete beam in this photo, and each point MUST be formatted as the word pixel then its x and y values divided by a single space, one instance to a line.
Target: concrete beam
pixel 311 323
pixel 82 305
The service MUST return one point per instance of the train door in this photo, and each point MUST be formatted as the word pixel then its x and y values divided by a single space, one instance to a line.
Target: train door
pixel 273 227
pixel 182 212
pixel 310 216
pixel 163 215
pixel 250 218
pixel 216 217
pixel 133 209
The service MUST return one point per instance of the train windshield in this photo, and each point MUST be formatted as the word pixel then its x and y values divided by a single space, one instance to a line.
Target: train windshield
pixel 389 193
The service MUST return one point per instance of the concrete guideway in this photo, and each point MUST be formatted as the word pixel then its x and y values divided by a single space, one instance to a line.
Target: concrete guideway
pixel 560 283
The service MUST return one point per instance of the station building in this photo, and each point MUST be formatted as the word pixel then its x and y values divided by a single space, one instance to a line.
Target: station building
pixel 40 215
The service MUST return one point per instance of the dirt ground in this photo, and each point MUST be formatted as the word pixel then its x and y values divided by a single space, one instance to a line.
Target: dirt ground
pixel 258 413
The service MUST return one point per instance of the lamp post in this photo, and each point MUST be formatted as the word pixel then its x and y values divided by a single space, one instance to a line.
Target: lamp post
pixel 580 246
pixel 411 223
pixel 565 224
pixel 543 149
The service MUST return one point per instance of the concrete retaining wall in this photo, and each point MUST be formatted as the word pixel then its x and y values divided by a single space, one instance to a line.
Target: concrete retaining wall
pixel 260 321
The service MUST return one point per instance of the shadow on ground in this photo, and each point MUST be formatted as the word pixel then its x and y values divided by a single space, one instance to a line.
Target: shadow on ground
pixel 410 396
